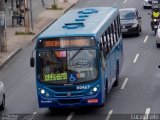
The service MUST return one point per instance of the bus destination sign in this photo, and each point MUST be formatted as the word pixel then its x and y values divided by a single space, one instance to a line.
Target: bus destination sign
pixel 66 43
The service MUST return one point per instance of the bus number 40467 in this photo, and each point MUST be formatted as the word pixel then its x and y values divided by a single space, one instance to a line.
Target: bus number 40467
pixel 83 87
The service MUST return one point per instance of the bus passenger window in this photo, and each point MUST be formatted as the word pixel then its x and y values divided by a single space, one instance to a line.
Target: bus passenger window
pixel 105 40
pixel 112 34
pixel 110 38
pixel 101 41
pixel 106 43
pixel 119 26
pixel 116 29
pixel 115 32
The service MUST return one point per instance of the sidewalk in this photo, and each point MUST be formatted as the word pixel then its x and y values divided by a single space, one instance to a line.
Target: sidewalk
pixel 17 42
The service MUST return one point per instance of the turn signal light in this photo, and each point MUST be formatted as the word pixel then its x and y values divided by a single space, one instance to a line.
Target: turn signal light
pixel 92 100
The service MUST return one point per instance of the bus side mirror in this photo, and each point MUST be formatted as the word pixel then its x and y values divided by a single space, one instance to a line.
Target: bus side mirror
pixel 32 62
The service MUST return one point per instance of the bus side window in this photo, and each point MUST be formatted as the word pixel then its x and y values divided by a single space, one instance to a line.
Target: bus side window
pixel 111 36
pixel 109 39
pixel 113 33
pixel 104 44
pixel 101 42
pixel 119 26
pixel 116 30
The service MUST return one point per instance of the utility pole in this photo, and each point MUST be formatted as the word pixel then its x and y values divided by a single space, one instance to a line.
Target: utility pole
pixel 31 14
pixel 3 44
pixel 26 16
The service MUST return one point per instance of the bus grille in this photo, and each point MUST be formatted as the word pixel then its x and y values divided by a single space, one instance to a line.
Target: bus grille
pixel 64 89
pixel 68 95
pixel 69 101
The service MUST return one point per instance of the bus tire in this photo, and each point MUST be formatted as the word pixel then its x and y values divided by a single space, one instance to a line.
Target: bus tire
pixel 117 75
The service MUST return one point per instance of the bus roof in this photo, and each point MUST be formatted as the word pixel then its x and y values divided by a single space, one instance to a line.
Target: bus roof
pixel 81 22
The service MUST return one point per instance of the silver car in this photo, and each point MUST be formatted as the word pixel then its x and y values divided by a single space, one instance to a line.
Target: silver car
pixel 147 4
pixel 158 37
pixel 2 96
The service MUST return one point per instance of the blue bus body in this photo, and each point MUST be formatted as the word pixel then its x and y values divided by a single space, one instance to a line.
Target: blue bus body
pixel 93 78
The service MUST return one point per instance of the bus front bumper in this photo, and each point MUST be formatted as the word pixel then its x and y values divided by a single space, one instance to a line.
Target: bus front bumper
pixel 71 102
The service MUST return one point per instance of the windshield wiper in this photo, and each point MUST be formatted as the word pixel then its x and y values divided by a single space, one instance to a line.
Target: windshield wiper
pixel 76 54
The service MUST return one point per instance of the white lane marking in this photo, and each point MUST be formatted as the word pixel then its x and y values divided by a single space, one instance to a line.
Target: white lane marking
pixel 146 38
pixel 109 114
pixel 125 1
pixel 135 59
pixel 34 113
pixel 147 113
pixel 70 116
pixel 124 83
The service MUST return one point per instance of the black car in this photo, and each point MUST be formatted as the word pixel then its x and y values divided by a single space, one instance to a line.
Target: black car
pixel 130 21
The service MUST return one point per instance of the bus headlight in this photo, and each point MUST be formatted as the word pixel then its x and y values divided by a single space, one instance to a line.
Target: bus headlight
pixel 93 90
pixel 42 91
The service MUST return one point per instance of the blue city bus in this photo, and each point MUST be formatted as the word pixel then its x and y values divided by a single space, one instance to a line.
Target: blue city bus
pixel 78 58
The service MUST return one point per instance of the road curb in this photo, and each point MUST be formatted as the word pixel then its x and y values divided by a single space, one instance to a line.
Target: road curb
pixel 5 61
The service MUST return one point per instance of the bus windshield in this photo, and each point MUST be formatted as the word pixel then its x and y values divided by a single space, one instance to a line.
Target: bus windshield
pixel 69 66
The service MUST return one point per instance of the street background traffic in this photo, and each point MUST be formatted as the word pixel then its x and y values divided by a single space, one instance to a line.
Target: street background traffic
pixel 138 90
